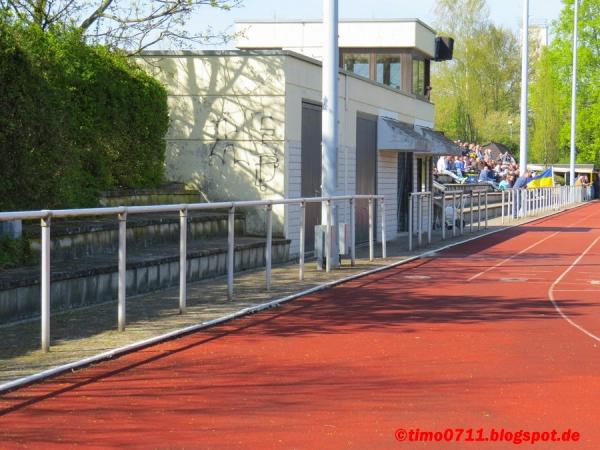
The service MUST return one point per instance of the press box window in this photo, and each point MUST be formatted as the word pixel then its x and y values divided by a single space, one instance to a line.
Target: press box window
pixel 357 63
pixel 388 70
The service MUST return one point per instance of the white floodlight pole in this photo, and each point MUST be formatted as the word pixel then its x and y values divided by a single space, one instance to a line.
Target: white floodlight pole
pixel 524 86
pixel 574 96
pixel 330 113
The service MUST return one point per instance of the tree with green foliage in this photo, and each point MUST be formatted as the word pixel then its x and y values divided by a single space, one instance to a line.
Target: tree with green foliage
pixel 477 93
pixel 545 103
pixel 132 25
pixel 74 120
pixel 556 70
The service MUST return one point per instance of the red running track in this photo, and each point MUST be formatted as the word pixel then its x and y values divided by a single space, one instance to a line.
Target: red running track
pixel 417 346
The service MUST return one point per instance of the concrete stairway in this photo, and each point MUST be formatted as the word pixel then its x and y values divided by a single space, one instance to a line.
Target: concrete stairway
pixel 84 259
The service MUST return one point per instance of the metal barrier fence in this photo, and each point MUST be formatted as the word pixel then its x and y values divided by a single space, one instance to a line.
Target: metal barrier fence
pixel 518 203
pixel 45 217
pixel 455 200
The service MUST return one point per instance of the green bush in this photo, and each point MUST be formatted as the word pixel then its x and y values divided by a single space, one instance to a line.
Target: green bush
pixel 74 120
pixel 15 252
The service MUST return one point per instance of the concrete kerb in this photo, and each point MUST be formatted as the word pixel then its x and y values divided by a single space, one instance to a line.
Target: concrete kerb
pixel 24 381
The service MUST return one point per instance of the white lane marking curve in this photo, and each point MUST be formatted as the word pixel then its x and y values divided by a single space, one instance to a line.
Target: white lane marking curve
pixel 551 292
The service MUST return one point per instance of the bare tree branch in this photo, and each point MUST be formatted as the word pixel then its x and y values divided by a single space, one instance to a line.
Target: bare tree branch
pixel 95 15
pixel 132 25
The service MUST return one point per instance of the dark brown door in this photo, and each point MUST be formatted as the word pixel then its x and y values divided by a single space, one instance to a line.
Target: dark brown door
pixel 366 172
pixel 405 186
pixel 311 168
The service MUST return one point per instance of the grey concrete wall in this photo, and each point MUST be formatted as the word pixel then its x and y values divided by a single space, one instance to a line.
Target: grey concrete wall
pixel 100 286
pixel 106 241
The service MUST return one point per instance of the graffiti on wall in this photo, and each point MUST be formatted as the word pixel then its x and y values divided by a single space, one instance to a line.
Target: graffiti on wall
pixel 257 151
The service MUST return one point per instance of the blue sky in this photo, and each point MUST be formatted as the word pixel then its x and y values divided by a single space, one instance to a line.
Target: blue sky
pixel 503 12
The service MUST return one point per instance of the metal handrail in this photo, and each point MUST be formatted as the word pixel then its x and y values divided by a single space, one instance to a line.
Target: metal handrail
pixel 111 211
pixel 517 203
pixel 122 213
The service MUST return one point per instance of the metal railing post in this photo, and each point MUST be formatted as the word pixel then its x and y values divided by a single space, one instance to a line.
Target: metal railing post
pixel 443 221
pixel 454 225
pixel 410 221
pixel 302 239
pixel 462 212
pixel 371 238
pixel 183 218
pixel 383 241
pixel 230 251
pixel 269 248
pixel 430 221
pixel 502 215
pixel 122 283
pixel 479 210
pixel 420 219
pixel 45 283
pixel 486 210
pixel 543 200
pixel 352 231
pixel 328 237
pixel 471 212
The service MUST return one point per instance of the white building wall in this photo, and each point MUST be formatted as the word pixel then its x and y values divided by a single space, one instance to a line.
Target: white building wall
pixel 226 134
pixel 293 179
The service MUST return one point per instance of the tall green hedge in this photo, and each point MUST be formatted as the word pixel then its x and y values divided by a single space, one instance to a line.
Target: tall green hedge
pixel 74 120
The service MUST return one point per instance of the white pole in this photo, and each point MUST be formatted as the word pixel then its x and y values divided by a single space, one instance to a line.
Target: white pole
pixel 45 284
pixel 122 286
pixel 230 251
pixel 574 95
pixel 383 242
pixel 328 237
pixel 183 218
pixel 269 247
pixel 371 229
pixel 329 141
pixel 352 231
pixel 302 239
pixel 410 221
pixel 524 79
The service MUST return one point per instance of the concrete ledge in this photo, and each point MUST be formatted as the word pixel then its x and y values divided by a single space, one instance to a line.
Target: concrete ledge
pixel 78 239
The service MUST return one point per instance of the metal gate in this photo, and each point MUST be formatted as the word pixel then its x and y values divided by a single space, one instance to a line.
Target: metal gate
pixel 366 172
pixel 311 168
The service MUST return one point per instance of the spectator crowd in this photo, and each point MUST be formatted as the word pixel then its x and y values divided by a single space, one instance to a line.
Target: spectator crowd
pixel 477 164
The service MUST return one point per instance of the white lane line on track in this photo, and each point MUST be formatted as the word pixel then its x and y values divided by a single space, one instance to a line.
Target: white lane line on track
pixel 474 277
pixel 577 290
pixel 562 275
pixel 477 275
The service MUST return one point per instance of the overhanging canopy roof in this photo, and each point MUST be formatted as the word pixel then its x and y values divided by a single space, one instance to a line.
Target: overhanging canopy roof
pixel 439 144
pixel 564 168
pixel 393 135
